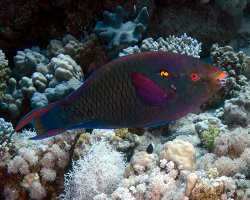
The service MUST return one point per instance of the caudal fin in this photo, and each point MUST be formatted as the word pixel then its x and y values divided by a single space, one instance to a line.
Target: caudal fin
pixel 43 120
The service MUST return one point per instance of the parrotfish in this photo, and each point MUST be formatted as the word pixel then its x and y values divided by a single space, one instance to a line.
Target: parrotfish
pixel 140 90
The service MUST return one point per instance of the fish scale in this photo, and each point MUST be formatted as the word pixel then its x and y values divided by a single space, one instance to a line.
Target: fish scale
pixel 131 92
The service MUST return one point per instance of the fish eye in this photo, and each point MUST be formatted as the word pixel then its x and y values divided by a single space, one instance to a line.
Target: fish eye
pixel 194 76
pixel 164 73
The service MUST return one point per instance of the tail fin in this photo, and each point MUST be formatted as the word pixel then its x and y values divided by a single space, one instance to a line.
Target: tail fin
pixel 42 122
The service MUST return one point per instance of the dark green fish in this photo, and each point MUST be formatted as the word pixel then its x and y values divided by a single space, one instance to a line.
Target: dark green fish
pixel 139 90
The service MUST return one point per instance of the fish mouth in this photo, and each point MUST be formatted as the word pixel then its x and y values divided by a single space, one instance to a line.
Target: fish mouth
pixel 221 77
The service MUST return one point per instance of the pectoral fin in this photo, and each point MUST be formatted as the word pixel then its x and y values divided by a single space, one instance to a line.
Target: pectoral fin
pixel 149 92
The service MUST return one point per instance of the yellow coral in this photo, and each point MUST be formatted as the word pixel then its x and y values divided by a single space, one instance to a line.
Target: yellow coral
pixel 209 136
pixel 122 133
pixel 83 139
pixel 81 144
pixel 213 173
pixel 204 190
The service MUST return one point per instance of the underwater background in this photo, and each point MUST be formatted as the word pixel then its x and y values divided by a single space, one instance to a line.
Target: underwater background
pixel 49 48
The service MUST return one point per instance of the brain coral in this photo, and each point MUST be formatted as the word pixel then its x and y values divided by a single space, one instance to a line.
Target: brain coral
pixel 181 152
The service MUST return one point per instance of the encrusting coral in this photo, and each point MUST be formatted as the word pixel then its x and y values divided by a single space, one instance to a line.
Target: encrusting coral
pixel 181 152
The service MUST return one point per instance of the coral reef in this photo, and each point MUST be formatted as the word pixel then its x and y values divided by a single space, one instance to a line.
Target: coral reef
pixel 181 152
pixel 231 153
pixel 209 136
pixel 237 110
pixel 85 183
pixel 113 32
pixel 155 184
pixel 88 53
pixel 36 170
pixel 201 156
pixel 35 78
pixel 140 163
pixel 64 68
pixel 25 20
pixel 191 181
pixel 236 65
pixel 6 142
pixel 184 45
pixel 5 71
pixel 122 133
pixel 205 190
pixel 26 62
pixel 232 143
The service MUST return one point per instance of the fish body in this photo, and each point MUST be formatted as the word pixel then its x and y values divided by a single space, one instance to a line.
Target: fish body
pixel 139 90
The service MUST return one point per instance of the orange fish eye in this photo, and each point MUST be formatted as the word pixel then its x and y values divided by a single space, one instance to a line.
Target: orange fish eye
pixel 164 73
pixel 194 76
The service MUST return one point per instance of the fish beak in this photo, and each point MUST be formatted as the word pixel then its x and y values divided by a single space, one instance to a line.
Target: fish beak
pixel 222 78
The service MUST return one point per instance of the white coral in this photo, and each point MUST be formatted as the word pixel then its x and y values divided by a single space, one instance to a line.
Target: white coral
pixel 63 67
pixel 183 45
pixel 99 171
pixel 181 152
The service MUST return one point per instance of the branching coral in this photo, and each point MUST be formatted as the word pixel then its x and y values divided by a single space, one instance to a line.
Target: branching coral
pixel 122 133
pixel 6 145
pixel 236 65
pixel 4 75
pixel 99 171
pixel 184 45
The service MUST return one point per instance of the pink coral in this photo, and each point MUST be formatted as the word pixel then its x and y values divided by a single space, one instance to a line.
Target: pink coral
pixel 18 164
pixel 37 191
pixel 48 174
pixel 221 145
pixel 228 167
pixel 232 143
pixel 246 156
